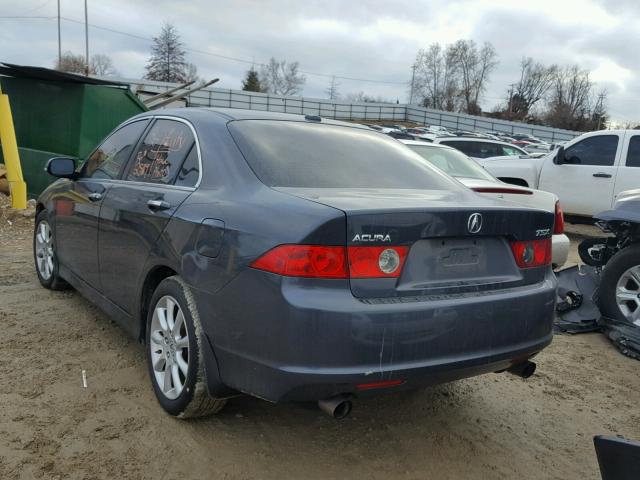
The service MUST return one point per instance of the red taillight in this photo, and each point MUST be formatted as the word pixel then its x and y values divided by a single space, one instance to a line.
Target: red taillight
pixel 513 191
pixel 333 262
pixel 376 262
pixel 380 384
pixel 532 253
pixel 558 226
pixel 305 261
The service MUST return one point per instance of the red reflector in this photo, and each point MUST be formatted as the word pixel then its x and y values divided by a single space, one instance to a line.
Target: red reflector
pixel 513 191
pixel 367 262
pixel 380 384
pixel 333 262
pixel 558 226
pixel 532 253
pixel 305 261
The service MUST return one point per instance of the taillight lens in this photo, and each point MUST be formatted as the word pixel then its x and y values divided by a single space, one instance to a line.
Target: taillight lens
pixel 376 262
pixel 333 262
pixel 305 261
pixel 558 226
pixel 532 253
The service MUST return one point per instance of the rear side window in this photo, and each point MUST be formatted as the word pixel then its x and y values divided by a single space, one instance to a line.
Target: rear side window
pixel 464 147
pixel 312 155
pixel 633 154
pixel 107 160
pixel 190 170
pixel 487 149
pixel 161 153
pixel 600 150
pixel 510 151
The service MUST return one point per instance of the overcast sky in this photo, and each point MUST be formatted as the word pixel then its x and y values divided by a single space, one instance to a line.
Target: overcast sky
pixel 368 40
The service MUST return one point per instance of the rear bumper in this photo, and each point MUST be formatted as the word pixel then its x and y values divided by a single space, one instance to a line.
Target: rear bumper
pixel 559 250
pixel 301 339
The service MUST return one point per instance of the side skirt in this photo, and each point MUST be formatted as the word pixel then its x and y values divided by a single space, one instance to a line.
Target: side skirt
pixel 113 311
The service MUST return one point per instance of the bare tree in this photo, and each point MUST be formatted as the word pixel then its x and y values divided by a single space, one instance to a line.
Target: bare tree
pixel 570 97
pixel 71 63
pixel 281 78
pixel 474 67
pixel 332 89
pixel 436 79
pixel 102 65
pixel 167 62
pixel 191 73
pixel 535 81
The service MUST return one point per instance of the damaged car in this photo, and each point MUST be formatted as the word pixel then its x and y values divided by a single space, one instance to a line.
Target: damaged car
pixel 293 258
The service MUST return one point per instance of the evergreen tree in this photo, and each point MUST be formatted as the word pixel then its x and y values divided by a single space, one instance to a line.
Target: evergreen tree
pixel 167 63
pixel 251 83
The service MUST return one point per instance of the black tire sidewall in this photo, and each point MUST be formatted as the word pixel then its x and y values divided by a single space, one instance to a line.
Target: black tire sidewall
pixel 171 286
pixel 619 263
pixel 51 282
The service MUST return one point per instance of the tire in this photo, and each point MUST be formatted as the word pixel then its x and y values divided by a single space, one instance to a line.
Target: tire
pixel 44 254
pixel 623 269
pixel 178 350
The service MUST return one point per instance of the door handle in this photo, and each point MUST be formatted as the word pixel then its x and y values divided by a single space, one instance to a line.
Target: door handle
pixel 158 205
pixel 602 175
pixel 94 196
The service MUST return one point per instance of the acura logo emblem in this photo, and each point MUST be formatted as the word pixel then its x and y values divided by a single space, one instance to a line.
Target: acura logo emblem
pixel 474 224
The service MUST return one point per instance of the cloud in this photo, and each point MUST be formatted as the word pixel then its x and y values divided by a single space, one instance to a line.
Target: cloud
pixel 374 39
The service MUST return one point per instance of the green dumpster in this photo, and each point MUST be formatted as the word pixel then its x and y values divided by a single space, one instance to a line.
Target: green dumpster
pixel 61 114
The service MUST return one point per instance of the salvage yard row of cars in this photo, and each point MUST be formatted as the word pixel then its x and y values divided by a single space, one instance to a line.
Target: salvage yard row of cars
pixel 296 258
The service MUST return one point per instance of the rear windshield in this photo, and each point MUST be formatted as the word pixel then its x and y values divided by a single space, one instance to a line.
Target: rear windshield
pixel 452 162
pixel 312 155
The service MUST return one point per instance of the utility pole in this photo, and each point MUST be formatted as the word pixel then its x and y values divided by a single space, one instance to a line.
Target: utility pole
pixel 86 39
pixel 598 110
pixel 511 99
pixel 413 78
pixel 59 38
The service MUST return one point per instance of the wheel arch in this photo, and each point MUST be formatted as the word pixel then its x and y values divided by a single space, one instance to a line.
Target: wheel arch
pixel 153 278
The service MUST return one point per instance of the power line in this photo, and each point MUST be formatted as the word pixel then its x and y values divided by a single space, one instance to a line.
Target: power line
pixel 210 54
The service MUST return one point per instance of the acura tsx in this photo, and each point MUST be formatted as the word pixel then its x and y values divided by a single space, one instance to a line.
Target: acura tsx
pixel 293 258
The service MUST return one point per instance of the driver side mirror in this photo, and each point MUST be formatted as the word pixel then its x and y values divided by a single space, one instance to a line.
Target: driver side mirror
pixel 61 167
pixel 559 158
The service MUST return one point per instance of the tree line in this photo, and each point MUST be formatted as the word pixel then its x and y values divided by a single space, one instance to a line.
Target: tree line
pixel 454 78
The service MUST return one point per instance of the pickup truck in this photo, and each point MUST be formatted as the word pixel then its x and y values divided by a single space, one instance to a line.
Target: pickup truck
pixel 587 173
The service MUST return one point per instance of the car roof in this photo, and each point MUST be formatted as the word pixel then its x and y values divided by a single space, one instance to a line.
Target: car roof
pixel 427 144
pixel 190 113
pixel 477 139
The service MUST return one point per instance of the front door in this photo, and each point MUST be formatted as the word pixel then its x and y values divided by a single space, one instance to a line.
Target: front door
pixel 584 183
pixel 78 209
pixel 138 207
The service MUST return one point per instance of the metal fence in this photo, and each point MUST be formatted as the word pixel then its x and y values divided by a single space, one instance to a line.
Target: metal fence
pixel 226 98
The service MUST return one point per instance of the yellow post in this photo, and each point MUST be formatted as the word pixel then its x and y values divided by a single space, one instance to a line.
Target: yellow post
pixel 17 187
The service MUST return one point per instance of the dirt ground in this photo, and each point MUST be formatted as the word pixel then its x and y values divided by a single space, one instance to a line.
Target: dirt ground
pixel 494 426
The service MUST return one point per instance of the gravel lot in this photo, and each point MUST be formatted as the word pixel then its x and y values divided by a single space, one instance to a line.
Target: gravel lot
pixel 495 426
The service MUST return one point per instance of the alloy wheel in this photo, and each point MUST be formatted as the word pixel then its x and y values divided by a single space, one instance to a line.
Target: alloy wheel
pixel 44 250
pixel 628 294
pixel 169 345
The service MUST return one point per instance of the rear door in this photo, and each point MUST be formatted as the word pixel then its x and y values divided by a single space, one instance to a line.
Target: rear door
pixel 584 184
pixel 77 211
pixel 161 174
pixel 628 175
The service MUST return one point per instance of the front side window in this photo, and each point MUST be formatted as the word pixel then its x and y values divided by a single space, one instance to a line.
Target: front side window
pixel 633 154
pixel 600 150
pixel 161 153
pixel 486 150
pixel 108 159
